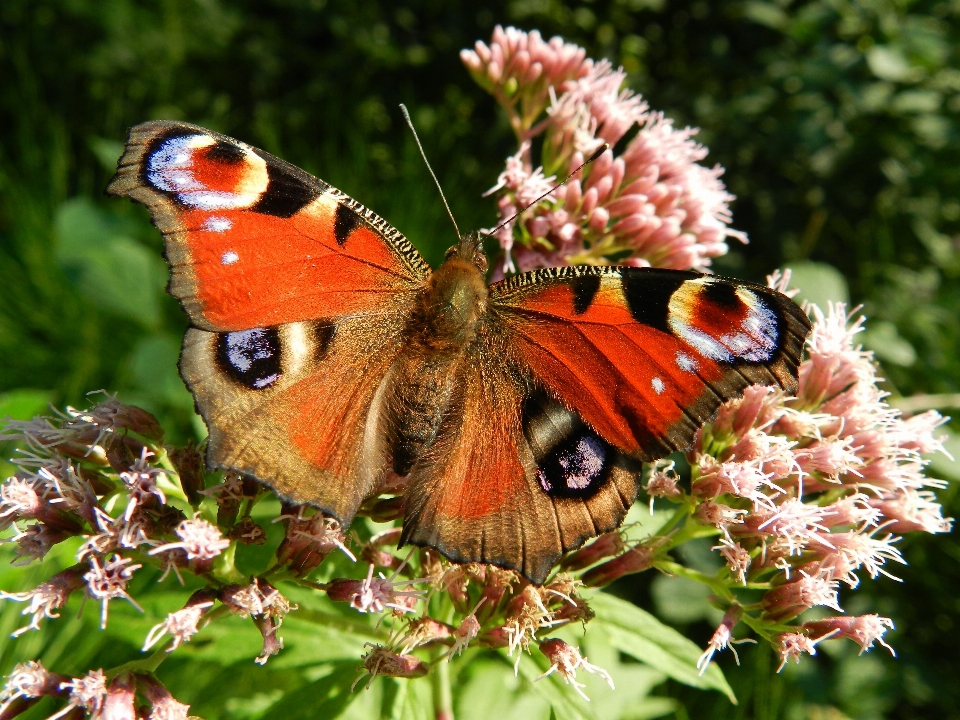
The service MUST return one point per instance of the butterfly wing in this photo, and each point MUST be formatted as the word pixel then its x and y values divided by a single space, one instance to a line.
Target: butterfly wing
pixel 644 355
pixel 585 372
pixel 298 296
pixel 479 494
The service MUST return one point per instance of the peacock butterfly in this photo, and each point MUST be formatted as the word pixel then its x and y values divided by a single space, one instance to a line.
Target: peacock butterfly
pixel 326 357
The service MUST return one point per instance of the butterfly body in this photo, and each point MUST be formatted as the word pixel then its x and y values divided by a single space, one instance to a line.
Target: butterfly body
pixel 328 360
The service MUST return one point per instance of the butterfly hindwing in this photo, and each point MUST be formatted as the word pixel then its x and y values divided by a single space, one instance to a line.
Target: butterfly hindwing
pixel 514 478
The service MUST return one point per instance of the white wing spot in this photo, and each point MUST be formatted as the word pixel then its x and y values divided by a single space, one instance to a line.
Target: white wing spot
pixel 216 224
pixel 685 362
pixel 658 386
pixel 229 257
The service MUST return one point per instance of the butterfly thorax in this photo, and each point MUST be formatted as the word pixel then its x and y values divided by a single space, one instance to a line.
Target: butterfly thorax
pixel 441 332
pixel 451 305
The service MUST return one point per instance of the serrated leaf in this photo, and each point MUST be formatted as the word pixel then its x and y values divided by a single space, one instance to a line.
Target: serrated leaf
pixel 487 688
pixel 407 700
pixel 642 636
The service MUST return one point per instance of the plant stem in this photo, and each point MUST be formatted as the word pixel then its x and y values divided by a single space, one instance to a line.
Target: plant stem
pixel 143 665
pixel 442 696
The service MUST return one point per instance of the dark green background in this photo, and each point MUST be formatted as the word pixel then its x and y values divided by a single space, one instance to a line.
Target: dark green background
pixel 837 122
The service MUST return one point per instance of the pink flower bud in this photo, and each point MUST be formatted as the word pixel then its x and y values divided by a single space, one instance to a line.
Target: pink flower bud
pixel 119 703
pixel 863 629
pixel 626 205
pixel 573 195
pixel 636 559
pixel 604 546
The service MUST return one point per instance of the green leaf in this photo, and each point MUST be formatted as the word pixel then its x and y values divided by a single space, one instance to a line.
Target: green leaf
pixel 407 699
pixel 641 636
pixel 819 283
pixel 487 688
pixel 23 403
pixel 327 697
pixel 114 271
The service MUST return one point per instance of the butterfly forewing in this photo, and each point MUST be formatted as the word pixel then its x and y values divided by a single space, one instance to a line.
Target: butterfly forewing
pixel 253 241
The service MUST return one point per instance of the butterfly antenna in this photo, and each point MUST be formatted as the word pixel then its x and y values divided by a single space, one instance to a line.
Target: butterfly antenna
pixel 406 116
pixel 599 151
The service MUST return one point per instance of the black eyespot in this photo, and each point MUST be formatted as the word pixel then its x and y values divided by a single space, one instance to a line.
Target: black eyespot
pixel 572 460
pixel 576 467
pixel 251 357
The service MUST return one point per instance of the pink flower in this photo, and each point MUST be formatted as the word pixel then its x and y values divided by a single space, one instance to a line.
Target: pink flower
pixel 864 630
pixel 654 203
pixel 374 594
pixel 27 683
pixel 566 660
pixel 87 692
pixel 199 539
pixel 722 638
pixel 141 482
pixel 109 581
pixel 791 645
pixel 47 597
pixel 180 625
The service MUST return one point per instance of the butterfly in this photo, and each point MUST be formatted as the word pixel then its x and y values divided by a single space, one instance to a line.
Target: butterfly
pixel 328 360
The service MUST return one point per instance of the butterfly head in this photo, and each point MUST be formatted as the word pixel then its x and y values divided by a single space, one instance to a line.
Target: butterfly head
pixel 456 295
pixel 471 250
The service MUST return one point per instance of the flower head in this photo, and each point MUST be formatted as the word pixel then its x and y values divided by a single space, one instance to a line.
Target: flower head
pixel 565 660
pixel 108 581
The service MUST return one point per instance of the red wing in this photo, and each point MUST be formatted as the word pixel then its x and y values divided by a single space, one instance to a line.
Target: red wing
pixel 645 356
pixel 253 241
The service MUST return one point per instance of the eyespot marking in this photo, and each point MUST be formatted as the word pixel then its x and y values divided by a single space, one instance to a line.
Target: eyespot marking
pixel 250 357
pixel 204 173
pixel 723 322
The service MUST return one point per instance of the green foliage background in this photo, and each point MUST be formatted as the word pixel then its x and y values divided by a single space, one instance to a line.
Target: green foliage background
pixel 837 122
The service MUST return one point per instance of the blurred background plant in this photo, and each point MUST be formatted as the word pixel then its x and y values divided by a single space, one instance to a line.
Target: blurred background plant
pixel 837 123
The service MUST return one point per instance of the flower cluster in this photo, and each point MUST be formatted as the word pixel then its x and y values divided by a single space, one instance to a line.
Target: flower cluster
pixel 651 204
pixel 811 492
pixel 94 695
